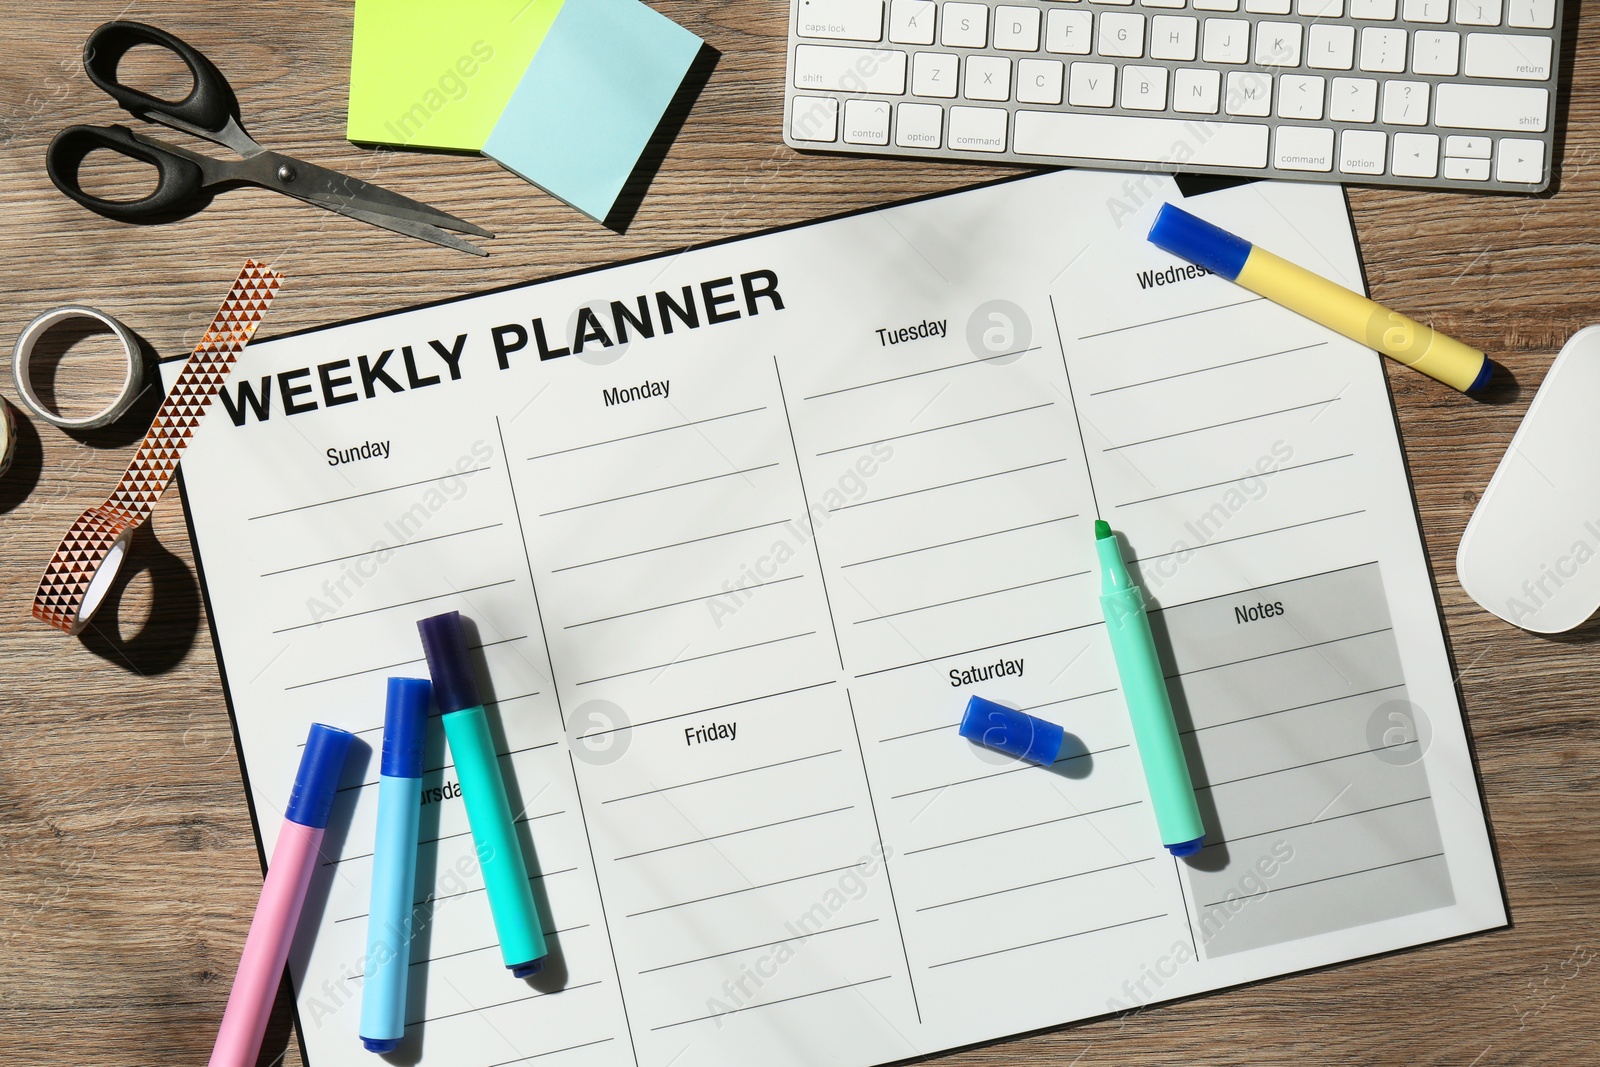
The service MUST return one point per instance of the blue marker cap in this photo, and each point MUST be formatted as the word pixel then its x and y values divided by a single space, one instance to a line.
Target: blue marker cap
pixel 1016 733
pixel 1199 242
pixel 527 970
pixel 405 726
pixel 444 642
pixel 1187 848
pixel 320 767
pixel 1485 373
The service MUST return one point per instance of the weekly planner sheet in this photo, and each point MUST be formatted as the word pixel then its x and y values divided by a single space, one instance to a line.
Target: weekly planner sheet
pixel 738 532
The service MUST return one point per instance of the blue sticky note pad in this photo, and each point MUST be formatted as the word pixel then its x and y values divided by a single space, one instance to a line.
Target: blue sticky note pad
pixel 592 96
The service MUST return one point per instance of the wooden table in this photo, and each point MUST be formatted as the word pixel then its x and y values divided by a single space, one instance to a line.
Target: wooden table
pixel 128 869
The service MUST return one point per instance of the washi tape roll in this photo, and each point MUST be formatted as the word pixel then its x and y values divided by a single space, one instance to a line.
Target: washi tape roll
pixel 35 331
pixel 83 567
pixel 8 436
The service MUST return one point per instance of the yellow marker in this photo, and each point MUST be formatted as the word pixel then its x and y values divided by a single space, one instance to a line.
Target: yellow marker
pixel 1320 300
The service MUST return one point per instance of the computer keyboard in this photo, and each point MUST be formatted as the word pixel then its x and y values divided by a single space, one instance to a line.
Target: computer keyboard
pixel 1446 94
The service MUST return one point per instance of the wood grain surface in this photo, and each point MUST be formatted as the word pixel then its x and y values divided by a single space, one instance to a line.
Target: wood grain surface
pixel 128 868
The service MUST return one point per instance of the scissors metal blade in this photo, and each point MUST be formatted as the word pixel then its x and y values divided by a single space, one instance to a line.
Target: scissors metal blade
pixel 410 227
pixel 336 191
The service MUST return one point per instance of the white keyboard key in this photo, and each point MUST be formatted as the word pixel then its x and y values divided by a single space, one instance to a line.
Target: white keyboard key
pixel 1320 9
pixel 965 25
pixel 1498 55
pixel 1249 93
pixel 1331 47
pixel 1068 32
pixel 911 21
pixel 988 78
pixel 1531 15
pixel 1196 92
pixel 1226 41
pixel 1300 97
pixel 1173 37
pixel 1216 5
pixel 1163 3
pixel 1426 10
pixel 1136 139
pixel 1469 106
pixel 1405 103
pixel 1416 155
pixel 1383 50
pixel 814 118
pixel 1267 7
pixel 1353 100
pixel 1091 85
pixel 841 20
pixel 1016 29
pixel 1039 81
pixel 1144 88
pixel 866 122
pixel 853 70
pixel 1435 52
pixel 1362 151
pixel 918 125
pixel 1478 12
pixel 978 129
pixel 1278 44
pixel 1303 148
pixel 934 74
pixel 1122 3
pixel 1121 35
pixel 1472 170
pixel 1381 10
pixel 1520 161
pixel 1467 147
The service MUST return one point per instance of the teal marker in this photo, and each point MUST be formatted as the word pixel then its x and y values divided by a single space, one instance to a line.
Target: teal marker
pixel 483 791
pixel 1144 688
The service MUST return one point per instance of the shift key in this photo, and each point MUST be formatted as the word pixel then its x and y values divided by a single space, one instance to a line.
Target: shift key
pixel 1461 106
pixel 850 70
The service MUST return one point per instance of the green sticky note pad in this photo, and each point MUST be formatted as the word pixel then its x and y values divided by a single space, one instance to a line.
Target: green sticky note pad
pixel 590 100
pixel 433 74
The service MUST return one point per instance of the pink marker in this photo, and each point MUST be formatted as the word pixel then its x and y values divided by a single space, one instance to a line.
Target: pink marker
pixel 266 949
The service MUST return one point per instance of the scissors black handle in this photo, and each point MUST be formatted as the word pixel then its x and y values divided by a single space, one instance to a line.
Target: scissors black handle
pixel 210 103
pixel 179 181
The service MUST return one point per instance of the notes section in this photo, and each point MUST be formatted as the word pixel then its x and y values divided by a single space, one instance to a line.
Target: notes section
pixel 1307 759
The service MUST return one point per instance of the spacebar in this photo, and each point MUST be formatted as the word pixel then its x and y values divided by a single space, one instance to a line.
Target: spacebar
pixel 1195 142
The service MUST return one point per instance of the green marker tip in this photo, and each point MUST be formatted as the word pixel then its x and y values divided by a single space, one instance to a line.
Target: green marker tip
pixel 1102 529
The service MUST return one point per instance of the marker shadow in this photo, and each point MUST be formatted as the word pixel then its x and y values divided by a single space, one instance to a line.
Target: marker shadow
pixel 1075 760
pixel 1212 857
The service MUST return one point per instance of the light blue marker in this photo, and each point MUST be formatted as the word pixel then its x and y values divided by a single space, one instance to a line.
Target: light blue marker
pixel 394 865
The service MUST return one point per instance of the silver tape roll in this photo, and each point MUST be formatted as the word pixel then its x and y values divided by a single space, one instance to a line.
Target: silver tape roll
pixel 133 367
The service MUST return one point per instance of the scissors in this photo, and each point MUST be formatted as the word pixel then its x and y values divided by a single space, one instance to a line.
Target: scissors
pixel 210 111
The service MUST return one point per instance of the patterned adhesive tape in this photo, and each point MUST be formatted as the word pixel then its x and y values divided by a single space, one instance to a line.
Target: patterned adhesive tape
pixel 83 567
pixel 8 436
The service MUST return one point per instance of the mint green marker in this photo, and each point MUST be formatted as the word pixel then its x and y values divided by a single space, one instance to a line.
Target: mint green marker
pixel 466 728
pixel 1144 688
